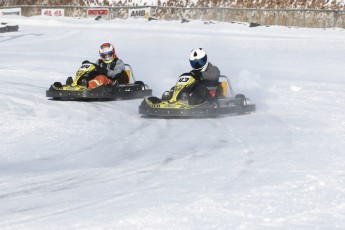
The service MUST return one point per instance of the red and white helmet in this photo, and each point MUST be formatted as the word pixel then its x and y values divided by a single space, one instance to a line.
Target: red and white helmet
pixel 107 52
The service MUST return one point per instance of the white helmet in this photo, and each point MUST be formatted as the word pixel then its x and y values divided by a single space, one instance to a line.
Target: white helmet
pixel 198 59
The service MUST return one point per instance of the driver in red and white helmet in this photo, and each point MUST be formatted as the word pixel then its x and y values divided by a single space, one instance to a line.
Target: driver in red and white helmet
pixel 111 68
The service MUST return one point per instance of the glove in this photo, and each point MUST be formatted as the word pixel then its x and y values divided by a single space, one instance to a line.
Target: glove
pixel 86 61
pixel 103 71
pixel 196 74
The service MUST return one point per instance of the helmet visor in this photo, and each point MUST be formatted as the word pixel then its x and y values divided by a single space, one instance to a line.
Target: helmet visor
pixel 198 63
pixel 107 54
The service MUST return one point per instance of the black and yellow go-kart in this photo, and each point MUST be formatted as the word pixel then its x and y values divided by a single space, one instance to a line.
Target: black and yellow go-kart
pixel 77 89
pixel 223 102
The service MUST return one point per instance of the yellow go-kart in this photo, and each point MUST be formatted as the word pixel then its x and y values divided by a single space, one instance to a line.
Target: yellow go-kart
pixel 78 88
pixel 182 101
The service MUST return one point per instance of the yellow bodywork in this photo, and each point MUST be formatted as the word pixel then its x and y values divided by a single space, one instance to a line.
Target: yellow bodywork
pixel 223 87
pixel 183 82
pixel 74 88
pixel 84 69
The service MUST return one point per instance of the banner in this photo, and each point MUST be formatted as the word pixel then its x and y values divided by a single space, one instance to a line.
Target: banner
pixel 53 12
pixel 139 12
pixel 11 11
pixel 98 12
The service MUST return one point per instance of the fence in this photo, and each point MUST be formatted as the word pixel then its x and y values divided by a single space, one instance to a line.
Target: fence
pixel 284 17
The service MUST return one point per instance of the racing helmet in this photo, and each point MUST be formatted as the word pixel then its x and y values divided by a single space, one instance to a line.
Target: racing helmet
pixel 107 52
pixel 198 59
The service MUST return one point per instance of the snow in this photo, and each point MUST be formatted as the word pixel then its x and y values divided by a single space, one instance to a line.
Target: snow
pixel 100 165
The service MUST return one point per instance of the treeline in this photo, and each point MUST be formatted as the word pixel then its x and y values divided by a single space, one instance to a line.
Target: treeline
pixel 261 4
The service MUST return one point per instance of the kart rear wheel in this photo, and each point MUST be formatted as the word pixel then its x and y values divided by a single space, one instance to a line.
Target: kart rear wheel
pixel 244 99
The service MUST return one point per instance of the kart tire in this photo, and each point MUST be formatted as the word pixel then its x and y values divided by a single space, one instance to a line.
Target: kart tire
pixel 244 99
pixel 154 100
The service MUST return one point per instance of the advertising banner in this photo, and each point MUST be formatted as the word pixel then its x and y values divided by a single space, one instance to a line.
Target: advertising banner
pixel 53 12
pixel 139 12
pixel 98 12
pixel 11 11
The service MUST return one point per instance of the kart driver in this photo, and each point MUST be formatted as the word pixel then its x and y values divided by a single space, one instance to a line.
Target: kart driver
pixel 206 74
pixel 111 68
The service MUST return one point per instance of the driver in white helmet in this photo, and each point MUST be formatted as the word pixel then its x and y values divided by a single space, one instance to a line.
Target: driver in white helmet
pixel 207 76
pixel 204 70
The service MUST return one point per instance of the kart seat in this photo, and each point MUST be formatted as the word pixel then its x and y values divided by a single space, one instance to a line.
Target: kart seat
pixel 128 72
pixel 219 91
pixel 222 89
pixel 124 79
